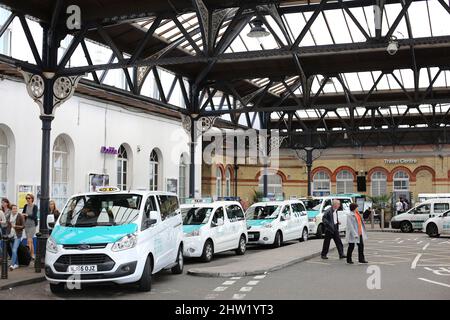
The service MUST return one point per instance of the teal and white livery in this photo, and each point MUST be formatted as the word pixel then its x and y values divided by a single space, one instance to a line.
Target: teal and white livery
pixel 114 236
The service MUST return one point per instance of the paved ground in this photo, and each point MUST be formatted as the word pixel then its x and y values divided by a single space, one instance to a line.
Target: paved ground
pixel 411 266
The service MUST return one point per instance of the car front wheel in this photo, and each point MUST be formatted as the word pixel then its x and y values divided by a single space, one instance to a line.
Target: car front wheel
pixel 304 235
pixel 178 269
pixel 432 230
pixel 406 227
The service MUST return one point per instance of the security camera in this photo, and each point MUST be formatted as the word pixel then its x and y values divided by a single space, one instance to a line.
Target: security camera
pixel 392 47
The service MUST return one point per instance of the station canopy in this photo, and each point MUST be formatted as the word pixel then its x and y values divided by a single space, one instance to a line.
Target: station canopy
pixel 321 74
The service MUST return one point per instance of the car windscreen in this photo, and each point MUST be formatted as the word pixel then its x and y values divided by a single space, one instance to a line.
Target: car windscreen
pixel 196 216
pixel 259 212
pixel 312 204
pixel 101 210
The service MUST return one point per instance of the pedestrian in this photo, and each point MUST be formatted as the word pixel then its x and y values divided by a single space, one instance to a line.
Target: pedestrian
pixel 5 211
pixel 399 206
pixel 16 225
pixel 53 210
pixel 331 221
pixel 30 213
pixel 355 233
pixel 405 204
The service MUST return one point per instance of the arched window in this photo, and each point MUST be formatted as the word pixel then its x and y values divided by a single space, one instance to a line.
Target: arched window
pixel 401 181
pixel 379 183
pixel 60 172
pixel 344 182
pixel 274 184
pixel 321 184
pixel 182 178
pixel 122 168
pixel 154 171
pixel 3 164
pixel 228 182
pixel 218 182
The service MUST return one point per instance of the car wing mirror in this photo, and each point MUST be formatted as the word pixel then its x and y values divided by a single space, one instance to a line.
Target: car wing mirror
pixel 50 221
pixel 153 218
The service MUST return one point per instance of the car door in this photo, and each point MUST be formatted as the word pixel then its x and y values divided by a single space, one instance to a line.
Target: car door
pixel 420 214
pixel 235 216
pixel 218 230
pixel 303 216
pixel 297 219
pixel 289 223
pixel 343 211
pixel 169 209
pixel 153 236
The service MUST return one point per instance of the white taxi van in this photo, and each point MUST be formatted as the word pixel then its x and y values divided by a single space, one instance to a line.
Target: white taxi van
pixel 213 226
pixel 316 206
pixel 114 236
pixel 271 222
pixel 440 224
pixel 414 218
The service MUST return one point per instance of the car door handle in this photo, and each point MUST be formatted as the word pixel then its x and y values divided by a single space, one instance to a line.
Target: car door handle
pixel 177 225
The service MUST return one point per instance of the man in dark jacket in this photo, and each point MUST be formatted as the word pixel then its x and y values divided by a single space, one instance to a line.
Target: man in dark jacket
pixel 331 222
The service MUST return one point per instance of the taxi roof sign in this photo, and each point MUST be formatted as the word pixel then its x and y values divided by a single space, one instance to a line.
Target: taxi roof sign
pixel 202 200
pixel 107 189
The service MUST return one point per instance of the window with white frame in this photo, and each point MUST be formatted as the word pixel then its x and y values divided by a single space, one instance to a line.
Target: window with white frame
pixel 218 182
pixel 401 181
pixel 60 172
pixel 182 178
pixel 228 183
pixel 379 183
pixel 154 171
pixel 274 184
pixel 321 184
pixel 344 182
pixel 5 40
pixel 122 168
pixel 3 164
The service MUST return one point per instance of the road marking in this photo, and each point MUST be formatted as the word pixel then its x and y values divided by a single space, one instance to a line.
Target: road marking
pixel 416 259
pixel 246 289
pixel 211 296
pixel 425 246
pixel 259 277
pixel 228 283
pixel 435 282
pixel 381 241
pixel 433 239
pixel 415 239
pixel 220 289
pixel 235 278
pixel 419 242
pixel 238 296
pixel 400 241
pixel 252 283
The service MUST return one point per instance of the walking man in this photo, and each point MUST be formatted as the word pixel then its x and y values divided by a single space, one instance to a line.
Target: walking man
pixel 331 221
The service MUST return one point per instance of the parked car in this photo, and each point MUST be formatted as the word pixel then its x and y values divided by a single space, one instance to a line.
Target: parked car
pixel 274 222
pixel 115 236
pixel 212 227
pixel 440 224
pixel 414 218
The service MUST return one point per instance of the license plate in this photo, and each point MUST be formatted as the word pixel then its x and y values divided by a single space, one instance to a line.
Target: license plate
pixel 82 268
pixel 251 236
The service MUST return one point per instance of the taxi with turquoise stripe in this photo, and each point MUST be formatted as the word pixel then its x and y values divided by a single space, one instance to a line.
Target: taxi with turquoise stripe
pixel 213 226
pixel 114 236
pixel 274 221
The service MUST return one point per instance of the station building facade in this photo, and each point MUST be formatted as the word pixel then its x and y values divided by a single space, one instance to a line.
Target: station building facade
pixel 93 142
pixel 400 171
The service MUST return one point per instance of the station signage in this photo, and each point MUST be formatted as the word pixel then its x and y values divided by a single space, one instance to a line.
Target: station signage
pixel 109 150
pixel 400 161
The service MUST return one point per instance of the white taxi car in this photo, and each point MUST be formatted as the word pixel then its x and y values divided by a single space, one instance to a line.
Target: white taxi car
pixel 211 227
pixel 114 236
pixel 438 225
pixel 273 222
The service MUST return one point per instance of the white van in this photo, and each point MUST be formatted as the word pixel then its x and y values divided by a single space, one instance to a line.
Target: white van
pixel 274 222
pixel 115 236
pixel 213 227
pixel 414 218
pixel 316 206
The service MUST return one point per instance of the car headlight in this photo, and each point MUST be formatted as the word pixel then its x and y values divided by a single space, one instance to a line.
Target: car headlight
pixel 194 233
pixel 125 243
pixel 268 225
pixel 51 245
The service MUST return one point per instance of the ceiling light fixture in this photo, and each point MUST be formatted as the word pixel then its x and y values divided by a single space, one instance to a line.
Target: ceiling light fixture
pixel 257 29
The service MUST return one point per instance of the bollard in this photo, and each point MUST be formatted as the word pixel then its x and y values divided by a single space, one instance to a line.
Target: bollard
pixel 5 257
pixel 382 219
pixel 372 222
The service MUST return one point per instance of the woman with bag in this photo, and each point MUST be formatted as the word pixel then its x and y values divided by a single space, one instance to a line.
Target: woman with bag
pixel 30 213
pixel 355 233
pixel 15 227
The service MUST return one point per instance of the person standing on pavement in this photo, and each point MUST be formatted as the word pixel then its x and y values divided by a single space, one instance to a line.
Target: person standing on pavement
pixel 30 213
pixel 399 206
pixel 355 233
pixel 54 211
pixel 16 225
pixel 331 221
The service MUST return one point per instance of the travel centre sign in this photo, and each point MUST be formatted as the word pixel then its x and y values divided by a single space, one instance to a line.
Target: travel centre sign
pixel 400 161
